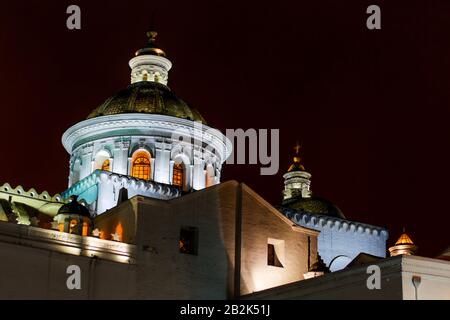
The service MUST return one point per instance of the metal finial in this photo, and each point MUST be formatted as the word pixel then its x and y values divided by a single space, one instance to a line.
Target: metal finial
pixel 297 166
pixel 152 36
pixel 151 48
pixel 297 148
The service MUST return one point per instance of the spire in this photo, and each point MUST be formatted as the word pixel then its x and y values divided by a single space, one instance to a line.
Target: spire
pixel 296 180
pixel 404 239
pixel 150 63
pixel 403 246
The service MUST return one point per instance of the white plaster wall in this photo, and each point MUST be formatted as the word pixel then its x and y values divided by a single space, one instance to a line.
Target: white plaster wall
pixel 344 240
pixel 162 155
pixel 333 242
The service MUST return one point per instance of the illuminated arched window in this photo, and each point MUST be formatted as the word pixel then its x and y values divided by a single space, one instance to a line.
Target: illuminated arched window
pixel 105 165
pixel 178 174
pixel 85 229
pixel 72 225
pixel 101 161
pixel 141 165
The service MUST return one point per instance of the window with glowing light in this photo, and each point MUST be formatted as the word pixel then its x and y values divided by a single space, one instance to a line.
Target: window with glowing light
pixel 85 229
pixel 178 174
pixel 72 225
pixel 105 165
pixel 101 161
pixel 119 231
pixel 141 165
pixel 188 242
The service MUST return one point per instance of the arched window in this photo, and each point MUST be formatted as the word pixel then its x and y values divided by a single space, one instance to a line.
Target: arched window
pixel 101 161
pixel 178 174
pixel 141 165
pixel 72 225
pixel 105 165
pixel 85 229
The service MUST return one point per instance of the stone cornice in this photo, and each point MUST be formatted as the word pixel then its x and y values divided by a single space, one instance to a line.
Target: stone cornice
pixel 66 243
pixel 297 174
pixel 143 125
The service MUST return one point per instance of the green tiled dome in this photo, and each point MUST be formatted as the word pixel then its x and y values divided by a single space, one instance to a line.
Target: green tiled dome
pixel 147 97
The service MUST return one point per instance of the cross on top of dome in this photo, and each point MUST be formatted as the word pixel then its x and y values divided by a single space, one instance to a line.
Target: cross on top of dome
pixel 297 166
pixel 151 48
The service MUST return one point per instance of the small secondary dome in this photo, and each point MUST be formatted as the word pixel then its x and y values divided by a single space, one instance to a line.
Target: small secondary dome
pixel 314 205
pixel 74 208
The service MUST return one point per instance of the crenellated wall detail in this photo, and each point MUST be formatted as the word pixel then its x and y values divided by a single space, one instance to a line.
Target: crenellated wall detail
pixel 31 193
pixel 340 240
pixel 100 190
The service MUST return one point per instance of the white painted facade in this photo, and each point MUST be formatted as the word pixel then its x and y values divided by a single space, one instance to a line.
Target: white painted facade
pixel 401 278
pixel 168 139
pixel 340 240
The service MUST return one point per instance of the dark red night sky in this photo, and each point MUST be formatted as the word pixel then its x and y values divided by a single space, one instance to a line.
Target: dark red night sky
pixel 371 108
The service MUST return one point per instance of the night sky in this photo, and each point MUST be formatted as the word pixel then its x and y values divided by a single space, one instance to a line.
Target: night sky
pixel 371 108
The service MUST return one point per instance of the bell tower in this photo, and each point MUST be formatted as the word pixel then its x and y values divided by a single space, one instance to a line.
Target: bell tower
pixel 150 63
pixel 297 181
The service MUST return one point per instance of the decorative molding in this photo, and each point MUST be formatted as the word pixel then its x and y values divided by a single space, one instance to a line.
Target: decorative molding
pixel 151 125
pixel 67 243
pixel 320 222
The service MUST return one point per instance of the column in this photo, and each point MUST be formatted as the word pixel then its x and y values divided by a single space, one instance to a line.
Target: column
pixel 162 162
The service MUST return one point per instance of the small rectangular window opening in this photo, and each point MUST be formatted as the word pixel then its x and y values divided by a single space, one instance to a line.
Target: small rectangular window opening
pixel 188 242
pixel 275 253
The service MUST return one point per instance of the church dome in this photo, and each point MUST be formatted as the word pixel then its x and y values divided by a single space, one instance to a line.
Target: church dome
pixel 314 205
pixel 147 97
